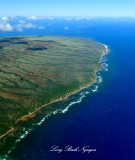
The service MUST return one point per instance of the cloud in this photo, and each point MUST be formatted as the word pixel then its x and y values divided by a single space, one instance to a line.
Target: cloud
pixel 35 18
pixel 50 18
pixel 41 27
pixel 9 25
pixel 68 19
pixel 5 26
pixel 85 18
pixel 32 18
pixel 21 21
pixel 29 25
pixel 4 18
pixel 19 28
pixel 66 28
pixel 79 18
pixel 23 25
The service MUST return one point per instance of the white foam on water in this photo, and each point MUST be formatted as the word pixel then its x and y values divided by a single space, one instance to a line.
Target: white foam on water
pixel 104 59
pixel 82 94
pixel 99 79
pixel 38 124
pixel 96 88
pixel 26 132
pixel 104 67
pixel 55 112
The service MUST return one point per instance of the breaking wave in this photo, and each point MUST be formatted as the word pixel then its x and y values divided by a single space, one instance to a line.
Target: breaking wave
pixel 104 67
pixel 95 89
pixel 82 95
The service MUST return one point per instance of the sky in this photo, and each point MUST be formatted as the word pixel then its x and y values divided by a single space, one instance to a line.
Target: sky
pixel 93 8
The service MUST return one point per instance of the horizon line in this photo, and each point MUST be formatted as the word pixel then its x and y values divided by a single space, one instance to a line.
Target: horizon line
pixel 67 16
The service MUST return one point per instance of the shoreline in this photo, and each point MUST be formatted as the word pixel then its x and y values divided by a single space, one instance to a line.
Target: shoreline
pixel 9 131
pixel 33 114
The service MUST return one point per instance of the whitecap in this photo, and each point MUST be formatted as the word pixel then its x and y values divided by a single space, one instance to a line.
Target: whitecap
pixel 95 89
pixel 99 79
pixel 103 60
pixel 75 102
pixel 26 132
pixel 55 112
pixel 104 67
pixel 38 124
pixel 84 93
pixel 87 92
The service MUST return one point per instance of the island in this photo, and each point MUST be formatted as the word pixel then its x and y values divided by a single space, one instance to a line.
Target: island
pixel 38 71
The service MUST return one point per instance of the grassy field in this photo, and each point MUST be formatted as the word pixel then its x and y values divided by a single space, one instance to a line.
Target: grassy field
pixel 37 70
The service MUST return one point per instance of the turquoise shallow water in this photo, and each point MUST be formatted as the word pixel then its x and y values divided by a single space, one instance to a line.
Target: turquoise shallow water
pixel 101 116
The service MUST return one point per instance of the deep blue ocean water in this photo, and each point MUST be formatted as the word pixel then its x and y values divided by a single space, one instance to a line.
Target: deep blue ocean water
pixel 104 120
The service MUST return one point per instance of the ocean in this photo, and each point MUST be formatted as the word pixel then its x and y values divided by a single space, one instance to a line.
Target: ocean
pixel 97 123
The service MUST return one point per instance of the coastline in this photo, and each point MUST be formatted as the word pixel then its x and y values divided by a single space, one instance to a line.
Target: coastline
pixel 33 114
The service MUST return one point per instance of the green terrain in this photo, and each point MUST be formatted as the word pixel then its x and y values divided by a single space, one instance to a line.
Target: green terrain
pixel 38 70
